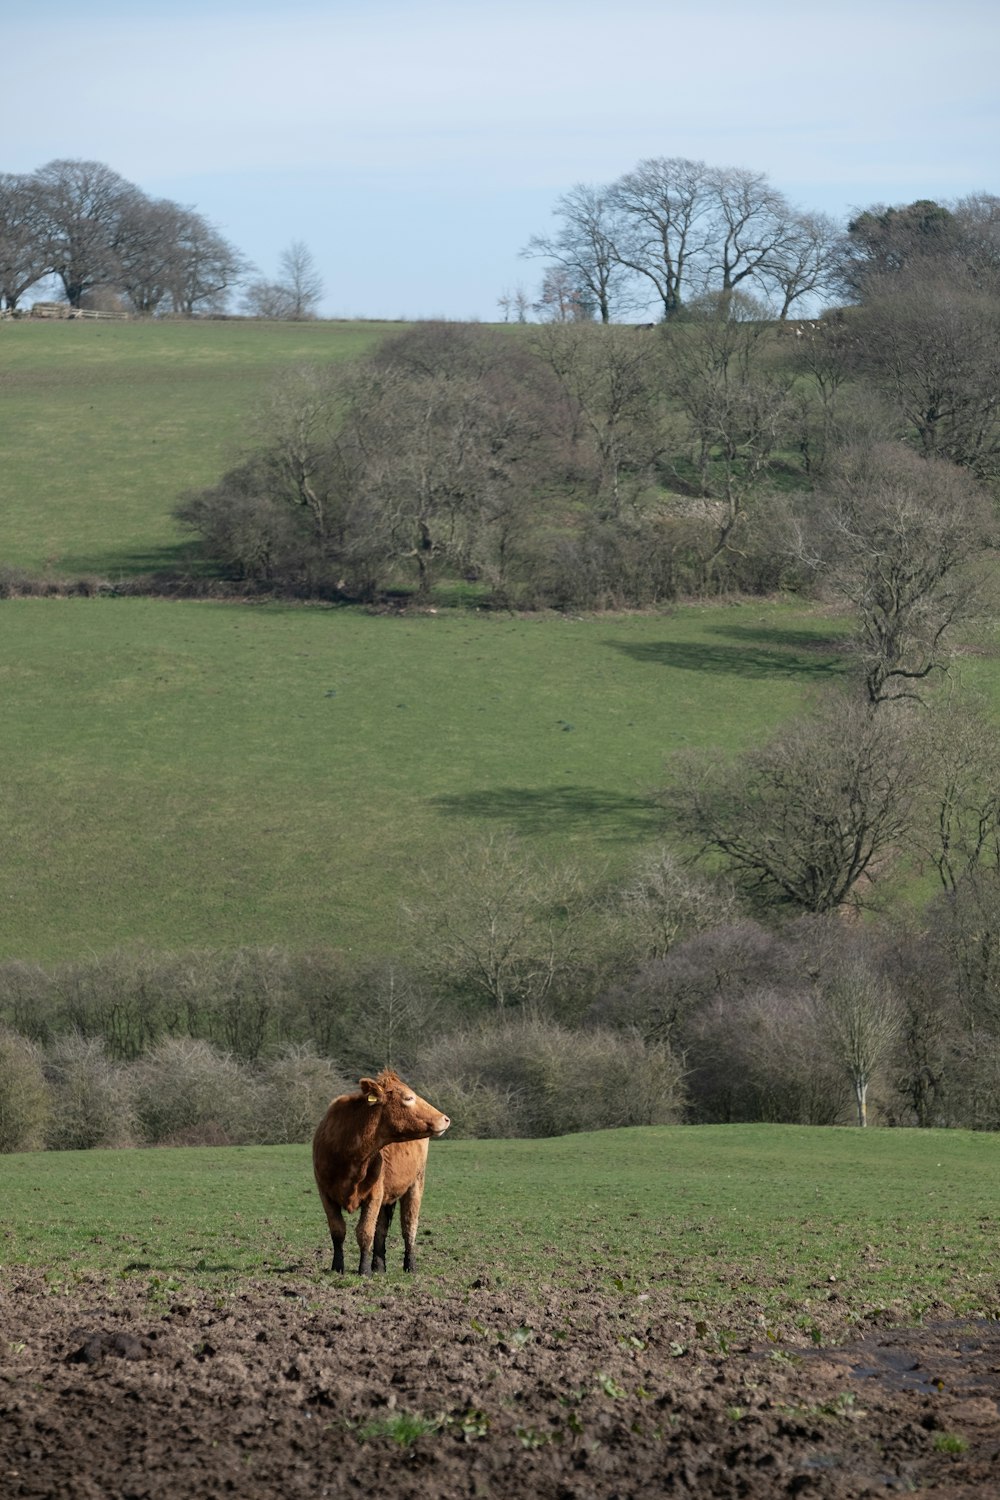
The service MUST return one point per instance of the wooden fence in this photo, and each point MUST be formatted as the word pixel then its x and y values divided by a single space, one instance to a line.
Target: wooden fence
pixel 63 310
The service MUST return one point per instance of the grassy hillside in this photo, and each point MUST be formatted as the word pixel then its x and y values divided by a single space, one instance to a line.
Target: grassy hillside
pixel 197 774
pixel 203 774
pixel 187 775
pixel 761 1224
pixel 104 425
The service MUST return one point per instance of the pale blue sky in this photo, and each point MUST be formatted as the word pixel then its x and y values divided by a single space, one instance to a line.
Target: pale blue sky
pixel 414 145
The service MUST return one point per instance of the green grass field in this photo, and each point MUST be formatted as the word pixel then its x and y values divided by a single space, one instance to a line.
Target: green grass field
pixel 104 425
pixel 745 1222
pixel 186 775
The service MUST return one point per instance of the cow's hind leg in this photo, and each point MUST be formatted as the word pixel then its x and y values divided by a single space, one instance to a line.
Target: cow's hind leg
pixel 338 1230
pixel 409 1218
pixel 381 1230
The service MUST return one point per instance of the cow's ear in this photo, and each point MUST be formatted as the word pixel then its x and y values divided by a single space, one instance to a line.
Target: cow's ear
pixel 371 1090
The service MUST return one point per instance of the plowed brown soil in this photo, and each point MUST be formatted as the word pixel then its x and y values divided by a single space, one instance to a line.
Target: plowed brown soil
pixel 116 1390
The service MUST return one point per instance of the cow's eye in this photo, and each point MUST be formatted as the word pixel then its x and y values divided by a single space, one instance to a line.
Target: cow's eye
pixel 411 1101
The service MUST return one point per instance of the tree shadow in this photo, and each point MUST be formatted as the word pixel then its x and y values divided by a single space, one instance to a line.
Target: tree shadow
pixel 792 637
pixel 610 816
pixel 175 560
pixel 759 651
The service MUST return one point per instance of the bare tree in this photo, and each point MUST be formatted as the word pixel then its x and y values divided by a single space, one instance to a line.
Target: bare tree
pixel 664 993
pixel 85 212
pixel 499 926
pixel 266 299
pixel 300 416
pixel 563 299
pixel 204 267
pixel 825 353
pixel 301 279
pixel 964 925
pixel 289 513
pixel 394 1016
pixel 759 1055
pixel 900 539
pixel 514 300
pixel 862 1020
pixel 751 225
pixel 922 974
pixel 450 432
pixel 293 295
pixel 100 235
pixel 680 228
pixel 663 216
pixel 932 342
pixel 662 902
pixel 521 304
pixel 801 264
pixel 584 247
pixel 962 780
pixel 148 255
pixel 611 378
pixel 736 402
pixel 977 220
pixel 427 453
pixel 23 252
pixel 813 819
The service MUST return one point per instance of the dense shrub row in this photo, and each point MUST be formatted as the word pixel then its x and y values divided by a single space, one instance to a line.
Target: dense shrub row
pixel 520 1077
pixel 527 1076
pixel 705 1014
pixel 249 1002
pixel 72 1096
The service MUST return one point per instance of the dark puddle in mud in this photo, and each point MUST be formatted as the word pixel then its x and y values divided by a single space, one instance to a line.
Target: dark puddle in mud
pixel 955 1356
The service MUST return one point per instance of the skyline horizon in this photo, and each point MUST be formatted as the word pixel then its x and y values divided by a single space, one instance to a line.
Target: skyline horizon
pixel 415 149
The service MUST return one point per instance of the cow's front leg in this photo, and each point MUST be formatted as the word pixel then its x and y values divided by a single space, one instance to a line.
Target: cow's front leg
pixel 409 1218
pixel 367 1224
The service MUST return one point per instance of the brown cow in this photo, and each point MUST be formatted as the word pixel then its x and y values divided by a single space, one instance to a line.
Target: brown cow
pixel 370 1152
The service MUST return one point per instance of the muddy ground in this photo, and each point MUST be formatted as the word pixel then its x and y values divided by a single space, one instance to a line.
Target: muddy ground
pixel 131 1389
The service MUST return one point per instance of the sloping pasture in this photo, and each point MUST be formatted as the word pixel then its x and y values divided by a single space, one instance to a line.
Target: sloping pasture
pixel 104 425
pixel 188 775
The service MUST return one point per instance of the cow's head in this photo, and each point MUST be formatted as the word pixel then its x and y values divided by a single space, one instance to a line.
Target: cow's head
pixel 401 1114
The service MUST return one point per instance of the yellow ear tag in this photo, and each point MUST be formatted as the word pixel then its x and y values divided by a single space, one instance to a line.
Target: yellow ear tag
pixel 373 1098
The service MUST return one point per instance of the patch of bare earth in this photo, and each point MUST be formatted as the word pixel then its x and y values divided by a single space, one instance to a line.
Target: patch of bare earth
pixel 121 1390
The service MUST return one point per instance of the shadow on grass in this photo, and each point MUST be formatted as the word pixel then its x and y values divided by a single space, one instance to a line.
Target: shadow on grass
pixel 758 651
pixel 180 560
pixel 562 809
pixel 796 638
